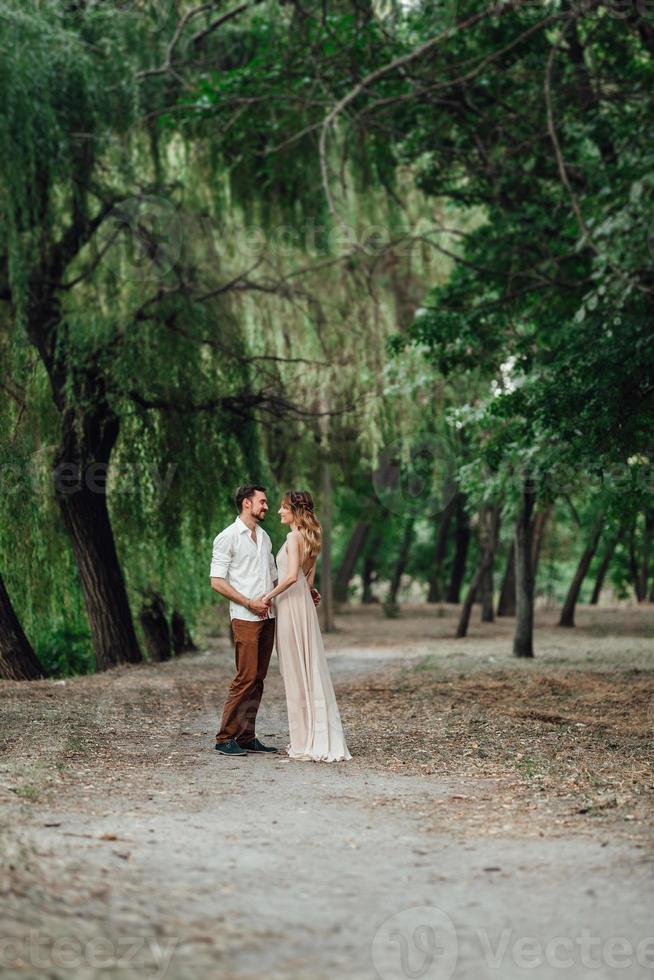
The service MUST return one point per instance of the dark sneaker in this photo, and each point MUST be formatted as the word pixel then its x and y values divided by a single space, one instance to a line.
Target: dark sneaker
pixel 256 746
pixel 230 747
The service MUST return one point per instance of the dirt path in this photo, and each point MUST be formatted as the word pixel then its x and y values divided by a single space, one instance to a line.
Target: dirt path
pixel 138 851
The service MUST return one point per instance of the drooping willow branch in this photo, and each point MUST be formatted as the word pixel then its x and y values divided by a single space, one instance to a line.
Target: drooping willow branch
pixel 387 69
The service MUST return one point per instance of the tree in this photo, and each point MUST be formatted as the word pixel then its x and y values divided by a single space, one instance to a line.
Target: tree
pixel 523 640
pixel 18 662
pixel 100 274
pixel 506 601
pixel 462 541
pixel 568 610
pixel 355 546
pixel 604 566
pixel 435 593
pixel 400 563
pixel 155 627
pixel 488 542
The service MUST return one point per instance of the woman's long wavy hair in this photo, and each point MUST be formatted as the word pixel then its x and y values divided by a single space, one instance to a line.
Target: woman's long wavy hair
pixel 304 518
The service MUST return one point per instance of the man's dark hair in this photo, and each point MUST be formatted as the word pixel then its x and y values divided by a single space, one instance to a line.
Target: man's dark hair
pixel 246 492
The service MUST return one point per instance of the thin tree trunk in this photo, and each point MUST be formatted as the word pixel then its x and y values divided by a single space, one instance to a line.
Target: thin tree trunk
pixel 369 562
pixel 461 551
pixel 648 535
pixel 537 536
pixel 568 610
pixel 435 593
pixel 155 627
pixel 604 567
pixel 492 530
pixel 523 638
pixel 488 541
pixel 180 636
pixel 506 602
pixel 327 596
pixel 80 475
pixel 633 564
pixel 18 662
pixel 346 569
pixel 401 562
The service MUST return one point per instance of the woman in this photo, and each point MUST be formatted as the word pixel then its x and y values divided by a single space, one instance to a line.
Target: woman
pixel 313 717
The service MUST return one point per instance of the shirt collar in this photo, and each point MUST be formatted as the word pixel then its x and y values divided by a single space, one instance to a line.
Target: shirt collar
pixel 241 526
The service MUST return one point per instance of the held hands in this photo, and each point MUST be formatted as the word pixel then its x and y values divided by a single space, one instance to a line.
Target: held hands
pixel 260 606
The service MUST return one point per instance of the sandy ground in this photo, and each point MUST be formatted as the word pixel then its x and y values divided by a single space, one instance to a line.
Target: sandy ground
pixel 132 849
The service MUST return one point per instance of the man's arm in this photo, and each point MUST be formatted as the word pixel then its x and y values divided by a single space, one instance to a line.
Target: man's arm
pixel 222 587
pixel 220 561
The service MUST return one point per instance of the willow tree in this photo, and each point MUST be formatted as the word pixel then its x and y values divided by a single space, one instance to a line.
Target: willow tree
pixel 97 273
pixel 328 292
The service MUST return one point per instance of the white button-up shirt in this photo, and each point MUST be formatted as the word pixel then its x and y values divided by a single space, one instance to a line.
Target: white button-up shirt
pixel 248 567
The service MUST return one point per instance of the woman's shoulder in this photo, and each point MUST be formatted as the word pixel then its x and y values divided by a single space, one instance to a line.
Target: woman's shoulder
pixel 296 538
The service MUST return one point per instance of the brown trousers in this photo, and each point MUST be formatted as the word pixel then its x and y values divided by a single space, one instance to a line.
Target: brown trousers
pixel 253 644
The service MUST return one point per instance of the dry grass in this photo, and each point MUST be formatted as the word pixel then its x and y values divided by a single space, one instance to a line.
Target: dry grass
pixel 557 745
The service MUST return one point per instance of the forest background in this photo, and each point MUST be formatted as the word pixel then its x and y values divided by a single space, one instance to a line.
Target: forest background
pixel 399 254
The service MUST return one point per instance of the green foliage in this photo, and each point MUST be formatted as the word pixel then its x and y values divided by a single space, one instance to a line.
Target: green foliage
pixel 532 345
pixel 563 309
pixel 261 103
pixel 66 652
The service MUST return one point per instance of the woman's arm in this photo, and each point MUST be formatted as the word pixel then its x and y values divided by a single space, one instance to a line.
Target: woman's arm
pixel 312 574
pixel 293 552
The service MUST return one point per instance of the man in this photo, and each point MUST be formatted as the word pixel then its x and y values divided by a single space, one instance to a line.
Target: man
pixel 243 569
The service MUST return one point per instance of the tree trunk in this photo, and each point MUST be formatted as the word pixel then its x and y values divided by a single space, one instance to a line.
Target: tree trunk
pixel 537 535
pixel 633 564
pixel 18 662
pixel 648 534
pixel 326 606
pixel 80 475
pixel 369 562
pixel 604 567
pixel 506 603
pixel 400 564
pixel 568 610
pixel 523 638
pixel 155 627
pixel 346 569
pixel 435 593
pixel 489 530
pixel 82 460
pixel 461 552
pixel 181 638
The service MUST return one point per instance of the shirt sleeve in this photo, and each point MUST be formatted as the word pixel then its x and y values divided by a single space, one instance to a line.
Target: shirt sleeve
pixel 222 555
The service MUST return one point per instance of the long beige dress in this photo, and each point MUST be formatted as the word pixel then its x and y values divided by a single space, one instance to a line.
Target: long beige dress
pixel 314 720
